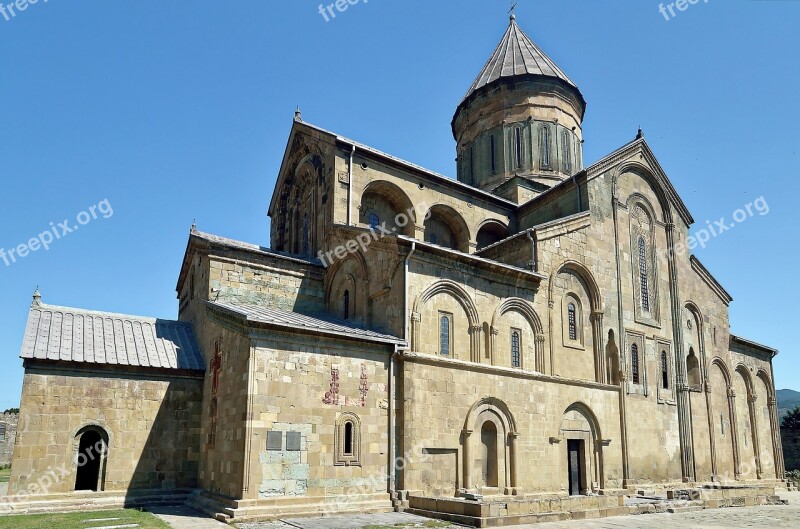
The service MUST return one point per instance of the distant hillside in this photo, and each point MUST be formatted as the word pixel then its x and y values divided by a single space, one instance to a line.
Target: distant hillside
pixel 787 400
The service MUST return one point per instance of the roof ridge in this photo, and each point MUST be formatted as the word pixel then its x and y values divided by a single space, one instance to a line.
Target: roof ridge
pixel 111 315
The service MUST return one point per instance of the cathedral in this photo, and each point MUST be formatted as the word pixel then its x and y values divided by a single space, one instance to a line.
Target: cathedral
pixel 530 341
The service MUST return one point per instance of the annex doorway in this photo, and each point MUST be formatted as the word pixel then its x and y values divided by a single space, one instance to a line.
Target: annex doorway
pixel 574 467
pixel 92 449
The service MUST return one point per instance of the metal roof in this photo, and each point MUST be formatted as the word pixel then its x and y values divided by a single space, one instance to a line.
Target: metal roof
pixel 517 55
pixel 321 323
pixel 75 335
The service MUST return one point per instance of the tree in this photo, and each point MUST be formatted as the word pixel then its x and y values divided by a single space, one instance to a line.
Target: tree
pixel 791 421
pixel 12 411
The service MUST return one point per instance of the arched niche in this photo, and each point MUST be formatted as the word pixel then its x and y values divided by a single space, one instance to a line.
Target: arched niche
pixel 386 204
pixel 444 226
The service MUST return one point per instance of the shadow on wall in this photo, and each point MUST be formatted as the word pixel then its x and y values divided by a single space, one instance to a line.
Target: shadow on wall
pixel 169 459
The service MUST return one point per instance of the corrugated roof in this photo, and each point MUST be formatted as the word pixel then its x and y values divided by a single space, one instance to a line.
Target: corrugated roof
pixel 517 55
pixel 76 335
pixel 322 323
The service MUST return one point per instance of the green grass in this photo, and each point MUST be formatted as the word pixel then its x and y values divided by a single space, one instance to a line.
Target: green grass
pixel 4 475
pixel 78 520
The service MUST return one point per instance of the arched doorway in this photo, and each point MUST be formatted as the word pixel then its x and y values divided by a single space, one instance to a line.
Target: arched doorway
pixel 90 459
pixel 583 450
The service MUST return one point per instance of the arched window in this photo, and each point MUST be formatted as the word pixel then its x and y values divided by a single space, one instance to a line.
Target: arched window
pixel 347 449
pixel 693 371
pixel 567 152
pixel 374 220
pixel 664 370
pixel 573 322
pixel 544 145
pixel 444 335
pixel 346 301
pixel 519 153
pixel 635 364
pixel 306 235
pixel 645 288
pixel 516 358
pixel 492 154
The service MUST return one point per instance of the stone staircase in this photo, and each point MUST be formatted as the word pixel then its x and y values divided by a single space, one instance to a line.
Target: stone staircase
pixel 229 511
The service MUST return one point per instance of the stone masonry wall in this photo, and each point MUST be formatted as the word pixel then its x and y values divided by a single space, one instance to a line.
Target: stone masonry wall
pixel 152 424
pixel 8 425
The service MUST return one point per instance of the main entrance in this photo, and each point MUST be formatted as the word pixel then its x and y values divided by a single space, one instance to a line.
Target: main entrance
pixel 574 449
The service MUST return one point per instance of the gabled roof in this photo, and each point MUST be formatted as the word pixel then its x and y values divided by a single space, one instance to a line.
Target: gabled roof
pixel 391 160
pixel 82 336
pixel 295 321
pixel 641 146
pixel 517 55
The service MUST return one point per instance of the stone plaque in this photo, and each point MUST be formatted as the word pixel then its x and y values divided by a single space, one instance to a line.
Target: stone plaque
pixel 293 441
pixel 274 441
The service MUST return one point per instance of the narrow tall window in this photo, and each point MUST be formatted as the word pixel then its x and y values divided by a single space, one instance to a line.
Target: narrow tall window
pixel 544 144
pixel 573 322
pixel 645 287
pixel 306 234
pixel 2 432
pixel 444 335
pixel 472 164
pixel 664 371
pixel 635 364
pixel 516 357
pixel 374 221
pixel 567 150
pixel 346 301
pixel 519 156
pixel 492 154
pixel 348 439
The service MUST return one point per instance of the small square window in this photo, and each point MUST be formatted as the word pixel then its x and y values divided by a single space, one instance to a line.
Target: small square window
pixel 274 441
pixel 293 440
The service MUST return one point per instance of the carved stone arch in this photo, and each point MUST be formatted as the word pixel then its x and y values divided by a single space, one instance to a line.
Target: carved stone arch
pixel 489 232
pixel 596 314
pixel 744 371
pixel 643 171
pixel 592 461
pixel 587 412
pixel 454 289
pixel 584 273
pixel 392 206
pixel 527 311
pixel 447 286
pixel 747 424
pixel 699 348
pixel 496 411
pixel 360 283
pixel 771 449
pixel 455 223
pixel 723 367
pixel 491 403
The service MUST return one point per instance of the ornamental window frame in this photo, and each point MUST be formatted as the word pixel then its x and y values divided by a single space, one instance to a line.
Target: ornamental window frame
pixel 347 449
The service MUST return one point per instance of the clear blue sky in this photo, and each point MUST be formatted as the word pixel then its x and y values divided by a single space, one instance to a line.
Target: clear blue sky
pixel 176 110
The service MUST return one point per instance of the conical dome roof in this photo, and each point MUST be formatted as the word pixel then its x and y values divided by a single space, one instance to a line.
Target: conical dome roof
pixel 515 56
